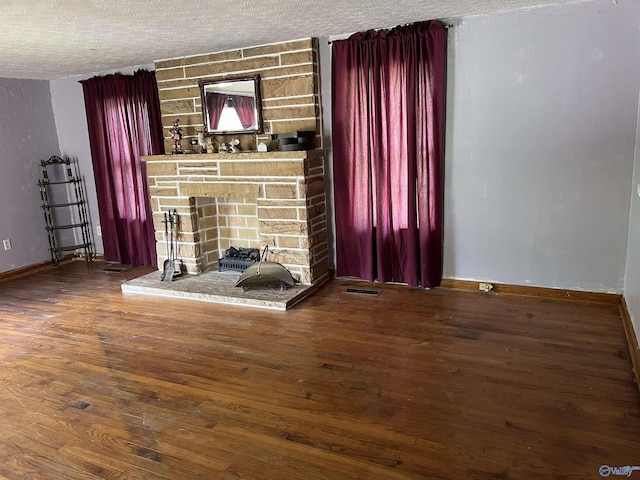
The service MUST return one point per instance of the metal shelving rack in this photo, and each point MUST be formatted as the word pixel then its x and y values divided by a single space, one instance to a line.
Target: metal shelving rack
pixel 76 205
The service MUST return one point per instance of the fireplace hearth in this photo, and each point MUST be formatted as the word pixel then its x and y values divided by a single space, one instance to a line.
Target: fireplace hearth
pixel 218 287
pixel 214 194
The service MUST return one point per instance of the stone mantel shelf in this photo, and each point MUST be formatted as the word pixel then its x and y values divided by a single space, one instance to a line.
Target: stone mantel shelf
pixel 275 155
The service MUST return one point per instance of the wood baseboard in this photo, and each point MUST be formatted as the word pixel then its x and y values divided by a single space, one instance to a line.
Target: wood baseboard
pixel 31 269
pixel 558 293
pixel 632 340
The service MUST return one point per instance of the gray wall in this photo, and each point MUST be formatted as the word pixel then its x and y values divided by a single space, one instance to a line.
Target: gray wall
pixel 541 137
pixel 324 53
pixel 27 135
pixel 632 277
pixel 71 120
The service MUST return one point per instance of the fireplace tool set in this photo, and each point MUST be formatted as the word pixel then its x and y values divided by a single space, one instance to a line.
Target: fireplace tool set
pixel 172 267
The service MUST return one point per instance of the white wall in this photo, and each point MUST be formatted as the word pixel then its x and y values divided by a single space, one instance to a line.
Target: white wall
pixel 73 133
pixel 632 276
pixel 324 53
pixel 541 135
pixel 27 135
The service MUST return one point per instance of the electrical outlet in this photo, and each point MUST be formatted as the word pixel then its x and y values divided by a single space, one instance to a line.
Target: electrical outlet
pixel 6 244
pixel 485 287
pixel 99 230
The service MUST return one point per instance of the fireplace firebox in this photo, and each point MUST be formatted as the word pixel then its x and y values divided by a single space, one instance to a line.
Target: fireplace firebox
pixel 238 259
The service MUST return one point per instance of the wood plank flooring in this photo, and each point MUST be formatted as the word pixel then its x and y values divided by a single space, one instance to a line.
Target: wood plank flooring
pixel 410 384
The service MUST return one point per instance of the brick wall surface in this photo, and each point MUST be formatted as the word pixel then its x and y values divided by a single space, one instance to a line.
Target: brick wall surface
pixel 244 200
pixel 237 223
pixel 289 88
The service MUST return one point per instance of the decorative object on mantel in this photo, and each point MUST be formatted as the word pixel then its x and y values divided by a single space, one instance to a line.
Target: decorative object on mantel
pixel 241 94
pixel 176 136
pixel 194 145
pixel 231 147
pixel 210 145
pixel 294 141
pixel 268 146
pixel 202 143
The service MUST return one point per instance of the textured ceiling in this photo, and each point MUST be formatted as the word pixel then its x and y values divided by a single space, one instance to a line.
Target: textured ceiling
pixel 59 38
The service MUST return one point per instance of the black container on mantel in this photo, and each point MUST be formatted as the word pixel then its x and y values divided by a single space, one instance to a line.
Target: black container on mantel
pixel 292 141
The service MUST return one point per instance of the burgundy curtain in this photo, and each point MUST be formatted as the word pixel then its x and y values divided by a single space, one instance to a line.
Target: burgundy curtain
pixel 123 115
pixel 215 105
pixel 388 153
pixel 246 109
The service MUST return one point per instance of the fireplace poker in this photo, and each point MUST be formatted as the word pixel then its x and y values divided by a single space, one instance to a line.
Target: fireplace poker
pixel 175 228
pixel 169 266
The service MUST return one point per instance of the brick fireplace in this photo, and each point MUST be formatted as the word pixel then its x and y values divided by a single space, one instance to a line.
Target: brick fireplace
pixel 244 199
pixel 248 199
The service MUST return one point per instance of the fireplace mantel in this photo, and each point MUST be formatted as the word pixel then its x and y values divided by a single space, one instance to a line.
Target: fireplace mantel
pixel 236 156
pixel 288 190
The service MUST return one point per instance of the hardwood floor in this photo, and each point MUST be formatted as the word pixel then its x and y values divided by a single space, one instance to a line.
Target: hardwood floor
pixel 410 384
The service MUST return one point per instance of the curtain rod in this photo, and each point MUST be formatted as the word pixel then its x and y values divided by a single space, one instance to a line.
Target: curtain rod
pixel 446 26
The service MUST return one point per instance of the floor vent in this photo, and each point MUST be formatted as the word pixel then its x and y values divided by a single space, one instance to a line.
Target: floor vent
pixel 362 291
pixel 116 268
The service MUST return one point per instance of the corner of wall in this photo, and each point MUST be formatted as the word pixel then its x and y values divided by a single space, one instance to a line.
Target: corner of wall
pixel 632 267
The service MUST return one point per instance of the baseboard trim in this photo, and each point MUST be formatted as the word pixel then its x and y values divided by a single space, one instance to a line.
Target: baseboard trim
pixel 632 340
pixel 34 268
pixel 532 291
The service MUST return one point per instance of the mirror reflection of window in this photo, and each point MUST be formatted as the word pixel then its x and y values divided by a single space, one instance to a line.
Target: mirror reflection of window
pixel 233 107
pixel 245 107
pixel 229 119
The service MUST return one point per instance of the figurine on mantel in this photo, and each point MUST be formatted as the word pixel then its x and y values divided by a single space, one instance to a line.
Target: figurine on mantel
pixel 176 136
pixel 232 147
pixel 210 145
pixel 201 143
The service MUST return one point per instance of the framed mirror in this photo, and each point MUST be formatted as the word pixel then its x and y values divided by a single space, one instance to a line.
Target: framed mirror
pixel 231 105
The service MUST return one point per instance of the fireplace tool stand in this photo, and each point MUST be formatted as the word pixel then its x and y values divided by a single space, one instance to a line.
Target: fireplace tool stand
pixel 171 228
